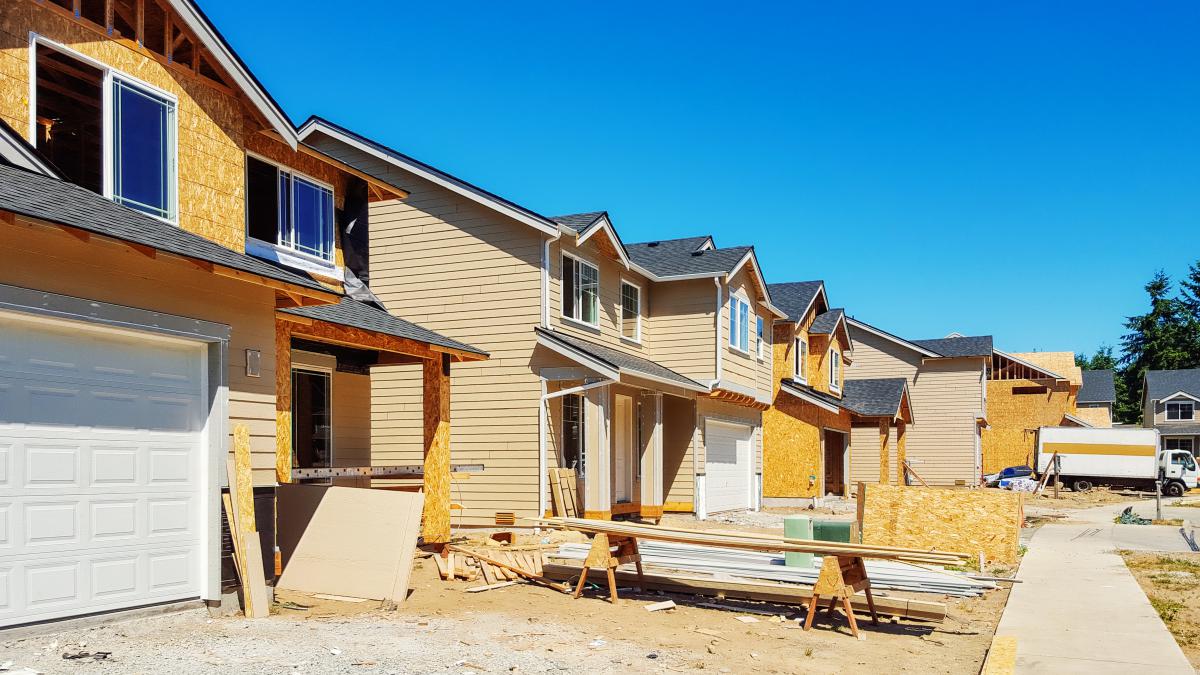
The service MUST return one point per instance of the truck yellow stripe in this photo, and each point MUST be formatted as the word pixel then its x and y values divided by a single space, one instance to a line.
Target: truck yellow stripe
pixel 1098 449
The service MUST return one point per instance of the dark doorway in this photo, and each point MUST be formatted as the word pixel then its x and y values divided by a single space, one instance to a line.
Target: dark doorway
pixel 312 420
pixel 70 118
pixel 835 465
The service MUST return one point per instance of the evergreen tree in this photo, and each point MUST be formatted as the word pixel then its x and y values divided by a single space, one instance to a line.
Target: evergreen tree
pixel 1161 339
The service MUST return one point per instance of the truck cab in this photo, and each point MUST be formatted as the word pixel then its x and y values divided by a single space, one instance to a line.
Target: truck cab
pixel 1177 471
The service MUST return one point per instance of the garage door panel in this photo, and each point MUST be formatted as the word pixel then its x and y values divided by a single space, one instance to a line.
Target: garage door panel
pixel 100 467
pixel 727 466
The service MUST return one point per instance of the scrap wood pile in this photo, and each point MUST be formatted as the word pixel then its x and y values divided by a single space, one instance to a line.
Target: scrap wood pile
pixel 495 567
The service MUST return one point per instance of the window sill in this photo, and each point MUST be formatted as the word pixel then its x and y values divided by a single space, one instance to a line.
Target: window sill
pixel 293 259
pixel 631 342
pixel 582 325
pixel 745 355
pixel 835 390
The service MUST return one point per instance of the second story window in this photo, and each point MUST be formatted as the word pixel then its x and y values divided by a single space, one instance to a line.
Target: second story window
pixel 106 131
pixel 835 370
pixel 1180 411
pixel 288 210
pixel 739 324
pixel 762 343
pixel 580 291
pixel 631 312
pixel 800 367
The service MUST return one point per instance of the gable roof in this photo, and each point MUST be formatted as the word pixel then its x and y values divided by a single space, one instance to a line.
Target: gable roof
pixel 199 24
pixel 584 225
pixel 579 223
pixel 827 323
pixel 1161 384
pixel 316 127
pixel 612 362
pixel 881 397
pixel 675 258
pixel 868 328
pixel 350 312
pixel 1098 387
pixel 954 347
pixel 56 201
pixel 796 297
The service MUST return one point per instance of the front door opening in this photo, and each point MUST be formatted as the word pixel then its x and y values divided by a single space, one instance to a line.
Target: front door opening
pixel 835 455
pixel 623 449
pixel 312 419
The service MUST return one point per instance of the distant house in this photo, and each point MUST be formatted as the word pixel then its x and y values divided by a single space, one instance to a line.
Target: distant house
pixel 1169 402
pixel 1097 396
pixel 1027 391
pixel 947 380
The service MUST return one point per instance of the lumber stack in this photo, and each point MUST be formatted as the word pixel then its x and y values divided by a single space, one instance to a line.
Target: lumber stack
pixel 496 567
pixel 756 541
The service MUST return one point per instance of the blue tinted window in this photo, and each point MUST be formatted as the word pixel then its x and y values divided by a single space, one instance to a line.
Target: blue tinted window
pixel 312 218
pixel 143 150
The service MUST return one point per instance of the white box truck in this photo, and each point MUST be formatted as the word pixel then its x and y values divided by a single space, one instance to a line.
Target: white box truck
pixel 1129 458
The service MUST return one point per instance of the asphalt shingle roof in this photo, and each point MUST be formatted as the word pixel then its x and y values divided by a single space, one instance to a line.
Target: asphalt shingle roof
pixel 815 393
pixel 875 397
pixel 1163 383
pixel 677 257
pixel 794 297
pixel 1098 387
pixel 580 222
pixel 57 201
pixel 825 323
pixel 619 360
pixel 979 345
pixel 356 314
pixel 1177 429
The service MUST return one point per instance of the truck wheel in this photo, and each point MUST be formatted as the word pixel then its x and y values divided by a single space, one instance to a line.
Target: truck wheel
pixel 1174 489
pixel 1081 485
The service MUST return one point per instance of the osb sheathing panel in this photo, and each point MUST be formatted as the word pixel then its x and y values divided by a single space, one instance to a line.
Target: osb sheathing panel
pixel 1097 417
pixel 966 521
pixel 1013 419
pixel 1059 363
pixel 792 446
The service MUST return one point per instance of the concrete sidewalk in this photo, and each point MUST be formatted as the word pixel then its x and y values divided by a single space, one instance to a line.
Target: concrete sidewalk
pixel 1079 609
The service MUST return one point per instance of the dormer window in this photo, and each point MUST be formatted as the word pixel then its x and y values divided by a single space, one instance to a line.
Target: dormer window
pixel 835 370
pixel 1180 411
pixel 800 366
pixel 121 145
pixel 289 211
pixel 580 291
pixel 739 324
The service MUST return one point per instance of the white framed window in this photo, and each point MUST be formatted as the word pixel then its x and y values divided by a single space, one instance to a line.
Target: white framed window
pixel 762 342
pixel 739 324
pixel 106 131
pixel 580 290
pixel 289 210
pixel 631 311
pixel 1178 444
pixel 573 433
pixel 800 365
pixel 1179 411
pixel 835 370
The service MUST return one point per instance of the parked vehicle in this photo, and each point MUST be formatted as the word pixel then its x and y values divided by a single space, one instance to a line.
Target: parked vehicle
pixel 993 479
pixel 1129 458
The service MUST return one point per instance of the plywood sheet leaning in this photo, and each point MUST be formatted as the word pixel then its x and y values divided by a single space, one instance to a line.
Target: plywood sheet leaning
pixel 348 541
pixel 563 492
pixel 240 513
pixel 961 520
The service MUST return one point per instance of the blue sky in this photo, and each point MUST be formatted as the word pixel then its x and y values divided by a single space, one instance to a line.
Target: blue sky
pixel 1018 169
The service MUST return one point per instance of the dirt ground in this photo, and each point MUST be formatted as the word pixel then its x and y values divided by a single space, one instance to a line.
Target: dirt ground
pixel 521 628
pixel 1172 583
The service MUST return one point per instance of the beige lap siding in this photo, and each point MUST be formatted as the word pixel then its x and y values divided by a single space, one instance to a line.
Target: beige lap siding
pixel 472 274
pixel 864 454
pixel 684 340
pixel 679 453
pixel 744 369
pixel 612 272
pixel 48 260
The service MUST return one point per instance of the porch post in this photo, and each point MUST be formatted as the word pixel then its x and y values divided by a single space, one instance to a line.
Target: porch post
pixel 901 434
pixel 652 465
pixel 283 401
pixel 597 496
pixel 435 392
pixel 885 429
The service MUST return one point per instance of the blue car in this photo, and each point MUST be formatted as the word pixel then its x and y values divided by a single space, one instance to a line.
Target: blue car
pixel 993 479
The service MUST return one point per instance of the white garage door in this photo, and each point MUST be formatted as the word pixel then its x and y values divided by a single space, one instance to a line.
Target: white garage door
pixel 100 472
pixel 727 466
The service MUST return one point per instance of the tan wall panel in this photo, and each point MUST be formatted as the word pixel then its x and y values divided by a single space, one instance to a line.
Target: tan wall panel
pixel 1013 419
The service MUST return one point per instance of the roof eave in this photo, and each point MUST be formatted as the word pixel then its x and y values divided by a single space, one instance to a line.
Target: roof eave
pixel 894 338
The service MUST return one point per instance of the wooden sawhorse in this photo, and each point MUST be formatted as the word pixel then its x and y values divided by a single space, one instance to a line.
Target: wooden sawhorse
pixel 842 577
pixel 601 556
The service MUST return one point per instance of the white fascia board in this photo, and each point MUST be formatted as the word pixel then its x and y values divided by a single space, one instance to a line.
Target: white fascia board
pixel 898 340
pixel 805 396
pixel 1178 394
pixel 603 369
pixel 432 175
pixel 606 225
pixel 1027 364
pixel 216 45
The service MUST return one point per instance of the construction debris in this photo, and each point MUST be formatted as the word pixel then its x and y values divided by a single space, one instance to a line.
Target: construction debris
pixel 660 606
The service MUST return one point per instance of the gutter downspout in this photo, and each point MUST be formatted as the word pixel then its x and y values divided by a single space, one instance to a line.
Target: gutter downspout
pixel 543 417
pixel 546 284
pixel 717 329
